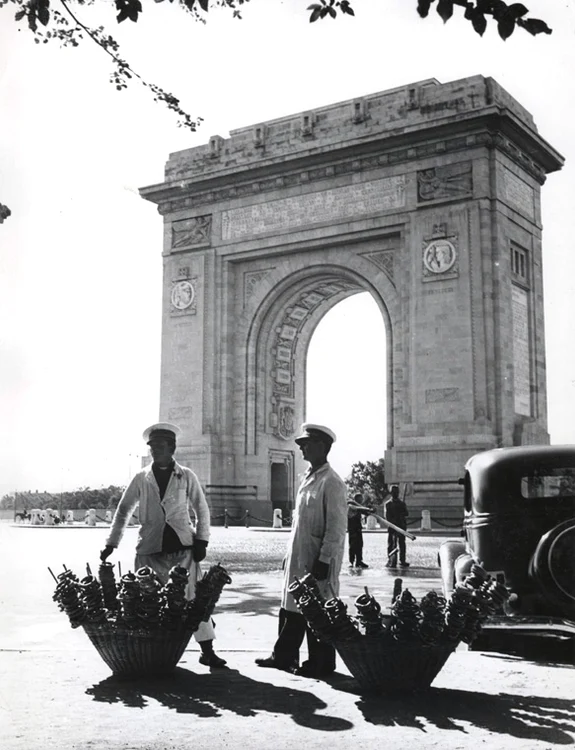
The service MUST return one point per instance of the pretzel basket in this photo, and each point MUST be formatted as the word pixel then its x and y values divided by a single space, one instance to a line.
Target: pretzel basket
pixel 389 668
pixel 141 627
pixel 138 653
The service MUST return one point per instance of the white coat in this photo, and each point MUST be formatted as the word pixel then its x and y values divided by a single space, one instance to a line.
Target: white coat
pixel 318 531
pixel 183 499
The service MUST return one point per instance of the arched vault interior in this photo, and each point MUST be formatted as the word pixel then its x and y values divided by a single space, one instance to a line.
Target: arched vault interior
pixel 287 319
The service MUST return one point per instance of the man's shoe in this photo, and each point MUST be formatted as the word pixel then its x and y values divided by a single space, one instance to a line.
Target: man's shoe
pixel 212 660
pixel 362 565
pixel 309 670
pixel 404 564
pixel 272 663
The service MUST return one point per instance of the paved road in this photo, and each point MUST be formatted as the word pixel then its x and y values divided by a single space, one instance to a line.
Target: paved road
pixel 56 692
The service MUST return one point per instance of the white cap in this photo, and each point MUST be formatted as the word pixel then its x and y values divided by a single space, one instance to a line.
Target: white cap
pixel 310 430
pixel 164 429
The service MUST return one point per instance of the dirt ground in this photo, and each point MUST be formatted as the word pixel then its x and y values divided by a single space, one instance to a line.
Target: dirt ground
pixel 56 692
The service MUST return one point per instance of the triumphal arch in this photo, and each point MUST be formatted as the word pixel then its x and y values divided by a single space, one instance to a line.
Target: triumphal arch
pixel 427 197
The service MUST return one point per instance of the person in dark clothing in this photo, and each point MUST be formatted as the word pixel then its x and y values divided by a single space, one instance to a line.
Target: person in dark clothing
pixel 355 532
pixel 395 511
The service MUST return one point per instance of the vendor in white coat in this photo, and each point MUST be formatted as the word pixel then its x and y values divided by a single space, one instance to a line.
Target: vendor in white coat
pixel 168 495
pixel 316 546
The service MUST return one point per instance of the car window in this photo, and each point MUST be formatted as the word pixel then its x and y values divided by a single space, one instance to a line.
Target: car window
pixel 557 482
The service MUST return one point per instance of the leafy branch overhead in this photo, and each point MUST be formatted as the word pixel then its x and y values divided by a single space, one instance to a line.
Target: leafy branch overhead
pixel 55 20
pixel 507 17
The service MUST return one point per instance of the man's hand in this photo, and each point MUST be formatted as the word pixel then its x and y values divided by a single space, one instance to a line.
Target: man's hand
pixel 199 550
pixel 320 570
pixel 106 552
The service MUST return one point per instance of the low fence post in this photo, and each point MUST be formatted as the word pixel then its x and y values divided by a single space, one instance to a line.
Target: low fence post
pixel 247 519
pixel 425 520
pixel 225 518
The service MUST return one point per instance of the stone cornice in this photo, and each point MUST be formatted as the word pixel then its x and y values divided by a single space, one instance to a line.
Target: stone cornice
pixel 494 131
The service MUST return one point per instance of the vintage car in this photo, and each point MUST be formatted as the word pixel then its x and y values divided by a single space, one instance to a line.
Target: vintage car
pixel 519 524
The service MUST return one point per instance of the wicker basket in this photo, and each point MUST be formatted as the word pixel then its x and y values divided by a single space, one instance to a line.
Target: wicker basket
pixel 138 653
pixel 385 667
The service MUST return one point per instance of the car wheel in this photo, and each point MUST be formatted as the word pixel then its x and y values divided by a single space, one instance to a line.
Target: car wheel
pixel 553 565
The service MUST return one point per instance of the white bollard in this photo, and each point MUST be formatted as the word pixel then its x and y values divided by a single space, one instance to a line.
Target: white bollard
pixel 108 516
pixel 91 520
pixel 69 516
pixel 425 520
pixel 277 520
pixel 371 523
pixel 36 517
pixel 49 517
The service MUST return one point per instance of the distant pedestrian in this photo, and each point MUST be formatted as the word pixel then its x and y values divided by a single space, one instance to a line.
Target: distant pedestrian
pixel 395 511
pixel 168 495
pixel 355 532
pixel 316 546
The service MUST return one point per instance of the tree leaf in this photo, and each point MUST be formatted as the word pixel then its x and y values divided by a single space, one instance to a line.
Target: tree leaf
pixel 517 10
pixel 44 15
pixel 445 9
pixel 479 23
pixel 535 26
pixel 506 27
pixel 332 12
pixel 423 7
pixel 315 15
pixel 204 5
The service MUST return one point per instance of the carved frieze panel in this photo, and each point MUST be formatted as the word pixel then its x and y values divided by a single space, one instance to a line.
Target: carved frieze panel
pixel 295 211
pixel 445 182
pixel 191 232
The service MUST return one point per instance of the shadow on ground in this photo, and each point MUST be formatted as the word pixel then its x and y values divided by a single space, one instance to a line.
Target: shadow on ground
pixel 525 717
pixel 249 600
pixel 206 695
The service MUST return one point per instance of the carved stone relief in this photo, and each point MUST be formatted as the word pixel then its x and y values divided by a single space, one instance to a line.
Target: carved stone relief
pixel 194 231
pixel 444 183
pixel 440 257
pixel 292 320
pixel 183 296
pixel 383 259
pixel 252 279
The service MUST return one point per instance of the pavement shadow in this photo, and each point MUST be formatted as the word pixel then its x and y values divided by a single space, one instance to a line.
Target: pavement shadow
pixel 207 695
pixel 549 720
pixel 249 600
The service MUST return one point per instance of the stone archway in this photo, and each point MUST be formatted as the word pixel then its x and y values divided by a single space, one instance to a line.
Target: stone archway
pixel 426 196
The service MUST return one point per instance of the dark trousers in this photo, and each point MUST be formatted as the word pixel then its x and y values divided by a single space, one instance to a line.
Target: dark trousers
pixel 355 548
pixel 291 630
pixel 395 540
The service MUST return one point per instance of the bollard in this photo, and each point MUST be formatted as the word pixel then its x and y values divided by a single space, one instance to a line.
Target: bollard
pixel 69 516
pixel 108 516
pixel 425 520
pixel 371 523
pixel 49 517
pixel 91 517
pixel 225 518
pixel 247 519
pixel 277 522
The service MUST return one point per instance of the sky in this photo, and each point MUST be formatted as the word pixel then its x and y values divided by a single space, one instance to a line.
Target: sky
pixel 80 256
